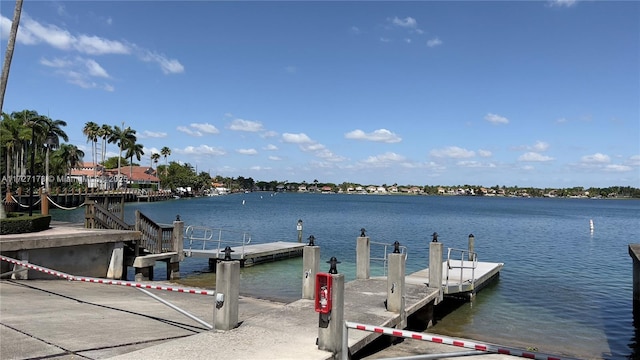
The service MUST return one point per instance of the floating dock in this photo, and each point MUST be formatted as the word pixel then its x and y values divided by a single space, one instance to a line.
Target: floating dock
pixel 461 280
pixel 252 254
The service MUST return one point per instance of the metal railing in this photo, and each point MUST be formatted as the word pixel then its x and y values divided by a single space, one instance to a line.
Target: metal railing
pixel 470 263
pixel 386 250
pixel 201 237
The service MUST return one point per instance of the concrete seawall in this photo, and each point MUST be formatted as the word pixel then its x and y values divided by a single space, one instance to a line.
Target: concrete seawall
pixel 634 252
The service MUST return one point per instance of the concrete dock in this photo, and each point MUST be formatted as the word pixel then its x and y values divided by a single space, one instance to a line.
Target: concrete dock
pixel 70 320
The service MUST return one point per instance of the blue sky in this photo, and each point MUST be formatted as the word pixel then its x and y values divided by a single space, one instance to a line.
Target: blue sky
pixel 522 93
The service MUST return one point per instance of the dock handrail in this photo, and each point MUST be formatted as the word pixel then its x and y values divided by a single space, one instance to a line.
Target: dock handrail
pixel 386 250
pixel 156 238
pixel 205 235
pixel 471 263
pixel 100 217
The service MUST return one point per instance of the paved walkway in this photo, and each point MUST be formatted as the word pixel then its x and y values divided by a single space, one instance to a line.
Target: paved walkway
pixel 57 319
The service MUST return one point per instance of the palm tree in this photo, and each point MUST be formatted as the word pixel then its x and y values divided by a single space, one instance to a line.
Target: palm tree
pixel 121 137
pixel 133 149
pixel 91 130
pixel 11 43
pixel 165 151
pixel 70 157
pixel 13 135
pixel 154 159
pixel 105 133
pixel 56 131
pixel 24 118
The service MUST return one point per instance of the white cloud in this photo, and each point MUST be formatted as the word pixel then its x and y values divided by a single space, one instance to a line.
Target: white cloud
pixel 275 158
pixel 168 66
pixel 32 32
pixel 205 128
pixel 79 71
pixel 596 159
pixel 496 119
pixel 534 157
pixel 484 153
pixel 434 42
pixel 269 134
pixel 634 160
pixel 540 146
pixel 562 3
pixel 355 30
pixel 618 168
pixel 245 125
pixel 453 152
pixel 200 150
pixel 383 159
pixel 247 151
pixel 95 69
pixel 152 134
pixel 326 154
pixel 198 129
pixel 296 138
pixel 188 131
pixel 270 147
pixel 384 39
pixel 380 135
pixel 407 22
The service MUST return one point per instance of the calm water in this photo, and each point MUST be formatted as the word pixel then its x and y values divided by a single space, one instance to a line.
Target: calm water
pixel 563 289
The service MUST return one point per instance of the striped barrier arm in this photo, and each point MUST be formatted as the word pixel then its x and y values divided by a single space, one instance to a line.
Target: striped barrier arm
pixel 455 342
pixel 106 281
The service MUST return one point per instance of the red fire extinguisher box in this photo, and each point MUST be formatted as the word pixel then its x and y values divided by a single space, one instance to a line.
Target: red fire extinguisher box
pixel 323 293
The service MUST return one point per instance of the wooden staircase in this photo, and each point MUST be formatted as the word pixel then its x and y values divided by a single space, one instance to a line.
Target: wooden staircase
pixel 159 242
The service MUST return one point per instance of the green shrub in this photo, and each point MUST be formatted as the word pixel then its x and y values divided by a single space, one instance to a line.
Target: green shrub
pixel 18 223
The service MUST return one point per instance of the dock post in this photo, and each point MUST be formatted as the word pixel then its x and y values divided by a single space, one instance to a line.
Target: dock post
pixel 299 229
pixel 177 239
pixel 310 267
pixel 331 327
pixel 396 282
pixel 472 240
pixel 363 256
pixel 21 272
pixel 225 311
pixel 435 268
pixel 44 203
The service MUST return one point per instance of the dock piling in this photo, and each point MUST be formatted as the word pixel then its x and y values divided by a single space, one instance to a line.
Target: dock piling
pixel 435 268
pixel 363 256
pixel 396 282
pixel 225 312
pixel 310 267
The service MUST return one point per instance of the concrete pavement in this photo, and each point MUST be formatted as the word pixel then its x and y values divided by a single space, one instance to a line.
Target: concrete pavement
pixel 58 319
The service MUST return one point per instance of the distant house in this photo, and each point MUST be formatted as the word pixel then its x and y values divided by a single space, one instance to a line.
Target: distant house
pixel 105 179
pixel 302 188
pixel 326 189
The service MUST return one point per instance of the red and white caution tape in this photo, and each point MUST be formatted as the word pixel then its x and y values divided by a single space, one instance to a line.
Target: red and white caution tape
pixel 105 281
pixel 37 268
pixel 451 341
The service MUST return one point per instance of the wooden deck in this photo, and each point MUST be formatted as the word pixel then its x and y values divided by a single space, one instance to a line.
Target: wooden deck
pixel 253 254
pixel 460 282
